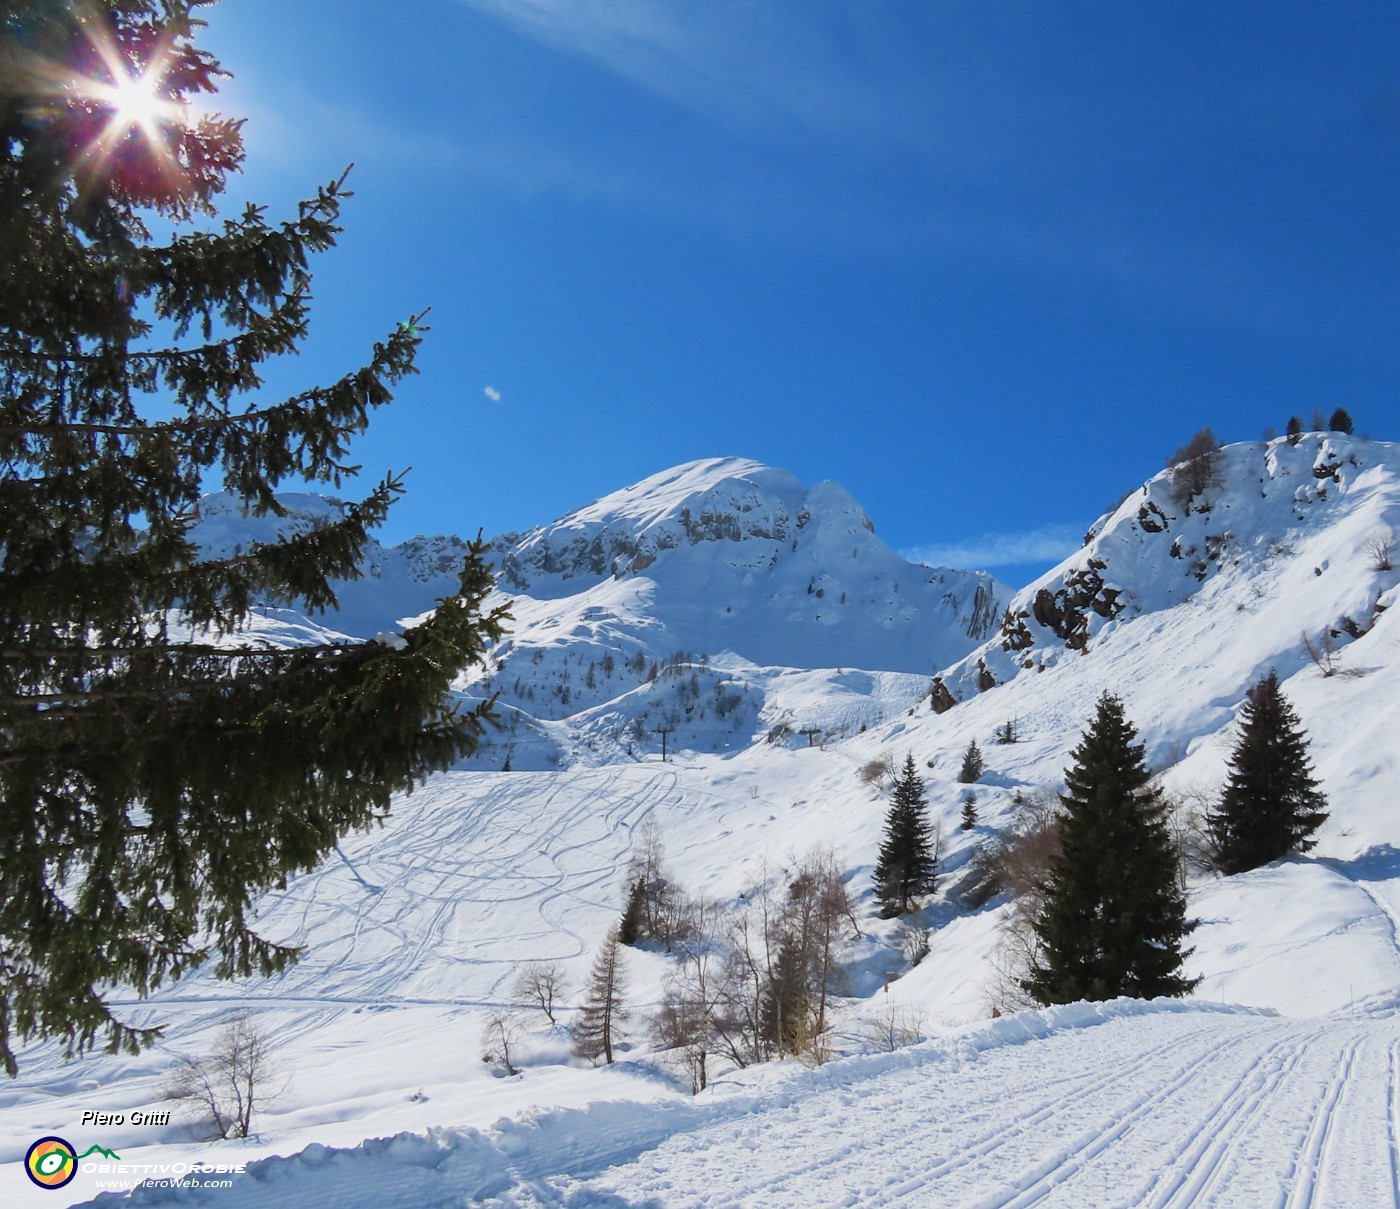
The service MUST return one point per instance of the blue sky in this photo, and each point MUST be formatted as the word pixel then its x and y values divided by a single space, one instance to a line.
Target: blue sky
pixel 985 263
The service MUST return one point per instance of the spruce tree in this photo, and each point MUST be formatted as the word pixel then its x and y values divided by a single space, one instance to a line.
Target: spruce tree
pixel 1295 429
pixel 907 864
pixel 159 768
pixel 1114 917
pixel 972 765
pixel 1340 421
pixel 629 929
pixel 786 1009
pixel 969 810
pixel 603 1011
pixel 1271 804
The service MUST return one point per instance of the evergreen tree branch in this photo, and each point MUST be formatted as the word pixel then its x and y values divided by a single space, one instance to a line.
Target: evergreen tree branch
pixel 151 789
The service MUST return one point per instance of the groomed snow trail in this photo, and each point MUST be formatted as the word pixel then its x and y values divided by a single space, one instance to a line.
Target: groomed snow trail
pixel 1117 1106
pixel 1187 1110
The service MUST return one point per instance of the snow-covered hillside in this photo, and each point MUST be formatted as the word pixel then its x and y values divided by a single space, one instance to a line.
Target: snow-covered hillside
pixel 415 932
pixel 1286 538
pixel 1290 563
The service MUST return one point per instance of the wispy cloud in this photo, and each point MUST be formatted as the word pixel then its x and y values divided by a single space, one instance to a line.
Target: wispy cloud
pixel 1046 544
pixel 748 63
pixel 948 145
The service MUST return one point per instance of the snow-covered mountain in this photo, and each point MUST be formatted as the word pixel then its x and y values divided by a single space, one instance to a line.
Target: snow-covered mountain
pixel 668 606
pixel 416 932
pixel 721 554
pixel 396 581
pixel 726 554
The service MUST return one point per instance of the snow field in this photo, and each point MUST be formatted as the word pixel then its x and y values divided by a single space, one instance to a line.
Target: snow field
pixel 1124 1104
pixel 1115 1115
pixel 416 930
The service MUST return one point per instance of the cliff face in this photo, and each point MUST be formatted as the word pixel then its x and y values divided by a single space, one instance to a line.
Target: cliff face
pixel 718 500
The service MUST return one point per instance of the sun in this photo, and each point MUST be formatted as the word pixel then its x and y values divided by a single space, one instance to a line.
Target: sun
pixel 118 104
pixel 136 102
pixel 137 121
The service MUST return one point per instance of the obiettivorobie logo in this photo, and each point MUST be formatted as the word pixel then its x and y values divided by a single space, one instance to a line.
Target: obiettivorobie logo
pixel 52 1162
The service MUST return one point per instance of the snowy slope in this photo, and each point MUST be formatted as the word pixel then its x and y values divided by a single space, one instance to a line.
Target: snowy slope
pixel 415 931
pixel 1277 549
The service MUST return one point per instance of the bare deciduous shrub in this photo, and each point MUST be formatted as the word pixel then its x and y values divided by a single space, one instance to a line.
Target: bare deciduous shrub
pixel 223 1090
pixel 1381 551
pixel 1016 952
pixel 810 918
pixel 1186 812
pixel 1018 861
pixel 688 1022
pixel 500 1039
pixel 893 1027
pixel 661 901
pixel 750 939
pixel 542 983
pixel 879 772
pixel 914 945
pixel 1322 653
pixel 819 914
pixel 1018 864
pixel 776 964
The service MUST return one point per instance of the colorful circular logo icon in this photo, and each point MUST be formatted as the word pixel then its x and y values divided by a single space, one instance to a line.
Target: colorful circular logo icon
pixel 51 1162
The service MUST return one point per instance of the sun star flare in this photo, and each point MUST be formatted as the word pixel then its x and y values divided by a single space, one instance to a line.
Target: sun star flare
pixel 136 102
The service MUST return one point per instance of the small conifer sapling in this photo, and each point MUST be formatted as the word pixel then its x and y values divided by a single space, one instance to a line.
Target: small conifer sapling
pixel 598 1025
pixel 972 765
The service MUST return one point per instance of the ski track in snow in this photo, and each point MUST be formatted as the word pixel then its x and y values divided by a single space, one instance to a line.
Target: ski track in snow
pixel 1225 1112
pixel 413 902
pixel 1143 1107
pixel 1392 1112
